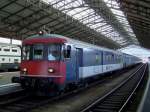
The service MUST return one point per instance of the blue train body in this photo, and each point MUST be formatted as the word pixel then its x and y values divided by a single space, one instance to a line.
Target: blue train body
pixel 88 60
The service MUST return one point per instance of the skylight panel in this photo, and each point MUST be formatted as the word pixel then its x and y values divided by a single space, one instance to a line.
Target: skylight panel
pixel 114 7
pixel 79 10
pixel 98 25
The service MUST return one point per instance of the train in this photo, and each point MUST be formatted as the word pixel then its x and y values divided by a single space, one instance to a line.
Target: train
pixel 10 56
pixel 52 62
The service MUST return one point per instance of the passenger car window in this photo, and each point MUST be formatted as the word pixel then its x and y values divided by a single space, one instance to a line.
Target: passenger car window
pixel 14 50
pixel 67 51
pixel 16 60
pixel 7 50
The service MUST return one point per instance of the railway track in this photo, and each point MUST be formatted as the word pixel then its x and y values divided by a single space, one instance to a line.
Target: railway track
pixel 25 102
pixel 117 99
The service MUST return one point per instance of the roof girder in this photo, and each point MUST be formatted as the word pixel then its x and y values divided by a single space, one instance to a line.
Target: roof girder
pixel 107 15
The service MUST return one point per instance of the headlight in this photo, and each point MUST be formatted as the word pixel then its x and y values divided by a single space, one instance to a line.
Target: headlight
pixel 24 69
pixel 50 70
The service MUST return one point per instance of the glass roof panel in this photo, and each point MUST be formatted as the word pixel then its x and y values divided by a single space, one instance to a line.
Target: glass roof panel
pixel 79 10
pixel 114 6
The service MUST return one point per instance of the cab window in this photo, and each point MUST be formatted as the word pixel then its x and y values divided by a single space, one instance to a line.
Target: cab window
pixel 38 51
pixel 54 52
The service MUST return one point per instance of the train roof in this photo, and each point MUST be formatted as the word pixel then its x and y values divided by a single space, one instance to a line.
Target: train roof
pixel 7 44
pixel 46 36
pixel 129 55
pixel 77 43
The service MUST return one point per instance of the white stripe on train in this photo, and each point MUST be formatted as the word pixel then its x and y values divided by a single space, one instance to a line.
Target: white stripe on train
pixel 94 70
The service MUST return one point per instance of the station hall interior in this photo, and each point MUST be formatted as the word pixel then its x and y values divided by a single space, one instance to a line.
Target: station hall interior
pixel 117 26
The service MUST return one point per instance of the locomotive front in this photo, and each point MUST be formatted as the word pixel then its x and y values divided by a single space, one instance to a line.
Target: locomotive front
pixel 43 66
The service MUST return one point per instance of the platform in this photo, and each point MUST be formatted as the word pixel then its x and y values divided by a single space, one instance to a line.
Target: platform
pixel 5 77
pixel 6 86
pixel 145 103
pixel 9 88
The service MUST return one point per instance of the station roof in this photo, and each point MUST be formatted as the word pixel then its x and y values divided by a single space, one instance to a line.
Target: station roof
pixel 138 14
pixel 95 21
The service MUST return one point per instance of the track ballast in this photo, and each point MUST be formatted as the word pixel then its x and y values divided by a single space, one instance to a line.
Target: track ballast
pixel 116 100
pixel 26 102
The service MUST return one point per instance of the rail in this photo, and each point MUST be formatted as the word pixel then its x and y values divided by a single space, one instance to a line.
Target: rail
pixel 117 99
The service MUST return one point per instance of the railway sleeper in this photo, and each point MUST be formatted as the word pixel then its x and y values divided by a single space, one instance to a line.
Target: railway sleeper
pixel 20 105
pixel 12 108
pixel 119 94
pixel 108 108
pixel 127 89
pixel 116 99
pixel 124 90
pixel 114 102
pixel 111 105
pixel 107 104
pixel 101 110
pixel 28 103
pixel 4 110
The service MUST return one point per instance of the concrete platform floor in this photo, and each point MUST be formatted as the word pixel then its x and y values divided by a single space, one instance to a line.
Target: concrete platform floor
pixel 76 102
pixel 5 83
pixel 9 88
pixel 145 103
pixel 5 77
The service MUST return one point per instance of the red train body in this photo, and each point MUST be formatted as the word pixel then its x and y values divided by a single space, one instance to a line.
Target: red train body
pixel 36 72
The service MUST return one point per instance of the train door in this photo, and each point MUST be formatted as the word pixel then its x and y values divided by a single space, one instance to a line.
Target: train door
pixel 79 62
pixel 71 65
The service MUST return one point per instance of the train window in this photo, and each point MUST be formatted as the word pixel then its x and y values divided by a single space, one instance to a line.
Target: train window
pixel 26 52
pixel 112 57
pixel 120 59
pixel 54 52
pixel 16 60
pixel 0 49
pixel 107 58
pixel 3 59
pixel 14 50
pixel 67 52
pixel 97 58
pixel 38 51
pixel 117 59
pixel 7 50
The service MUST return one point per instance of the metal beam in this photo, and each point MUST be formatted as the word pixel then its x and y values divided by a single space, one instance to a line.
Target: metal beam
pixel 105 12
